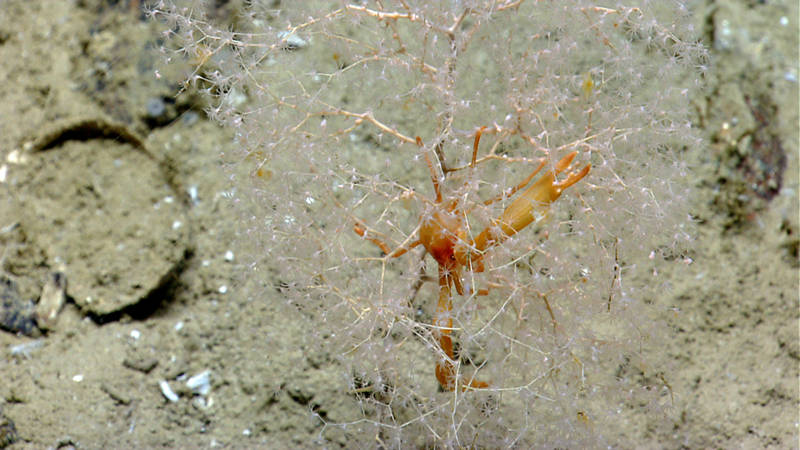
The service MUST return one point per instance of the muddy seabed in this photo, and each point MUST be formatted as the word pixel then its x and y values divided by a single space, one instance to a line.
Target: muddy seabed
pixel 152 293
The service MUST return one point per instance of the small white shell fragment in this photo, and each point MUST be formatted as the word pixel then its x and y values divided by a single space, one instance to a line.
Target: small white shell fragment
pixel 167 391
pixel 202 403
pixel 78 378
pixel 179 326
pixel 229 256
pixel 223 289
pixel 15 157
pixel 192 194
pixel 201 383
pixel 51 301
pixel 136 334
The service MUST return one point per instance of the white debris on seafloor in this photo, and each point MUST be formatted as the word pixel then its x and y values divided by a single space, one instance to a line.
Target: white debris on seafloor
pixel 16 157
pixel 192 191
pixel 200 384
pixel 25 348
pixel 202 404
pixel 167 391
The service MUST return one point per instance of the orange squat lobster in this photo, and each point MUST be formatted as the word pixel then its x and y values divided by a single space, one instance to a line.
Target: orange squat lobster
pixel 444 235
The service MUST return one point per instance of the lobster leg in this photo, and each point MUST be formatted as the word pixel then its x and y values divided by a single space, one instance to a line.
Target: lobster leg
pixel 362 231
pixel 443 321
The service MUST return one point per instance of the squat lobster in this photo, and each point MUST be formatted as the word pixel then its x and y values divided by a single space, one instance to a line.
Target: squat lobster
pixel 443 233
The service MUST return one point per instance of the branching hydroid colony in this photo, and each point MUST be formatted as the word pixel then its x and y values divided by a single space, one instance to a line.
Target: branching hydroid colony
pixel 363 117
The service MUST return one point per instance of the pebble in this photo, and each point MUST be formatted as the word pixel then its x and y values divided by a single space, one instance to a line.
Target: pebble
pixel 8 432
pixel 51 301
pixel 17 315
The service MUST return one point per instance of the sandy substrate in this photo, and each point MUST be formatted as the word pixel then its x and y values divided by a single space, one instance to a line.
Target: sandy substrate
pixel 154 295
